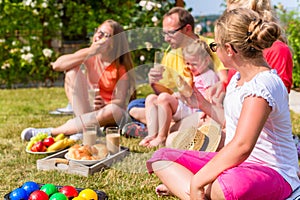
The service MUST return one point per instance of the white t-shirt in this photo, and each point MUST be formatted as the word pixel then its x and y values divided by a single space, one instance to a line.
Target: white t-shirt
pixel 275 147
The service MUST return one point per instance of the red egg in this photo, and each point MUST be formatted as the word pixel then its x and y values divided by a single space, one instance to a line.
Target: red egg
pixel 69 191
pixel 38 195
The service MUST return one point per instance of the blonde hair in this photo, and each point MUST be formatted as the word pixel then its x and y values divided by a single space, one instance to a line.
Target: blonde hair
pixel 262 7
pixel 200 49
pixel 246 31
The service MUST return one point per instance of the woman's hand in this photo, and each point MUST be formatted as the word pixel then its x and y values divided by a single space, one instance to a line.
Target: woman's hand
pixel 99 102
pixel 196 191
pixel 98 47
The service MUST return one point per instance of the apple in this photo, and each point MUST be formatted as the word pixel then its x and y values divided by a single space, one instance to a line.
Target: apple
pixel 38 147
pixel 48 141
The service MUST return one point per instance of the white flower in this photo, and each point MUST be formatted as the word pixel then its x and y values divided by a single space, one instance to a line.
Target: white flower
pixel 149 6
pixel 142 3
pixel 34 37
pixel 149 46
pixel 154 19
pixel 44 5
pixel 158 5
pixel 26 2
pixel 142 58
pixel 60 24
pixel 47 53
pixel 46 24
pixel 25 48
pixel 14 43
pixel 5 66
pixel 12 51
pixel 35 12
pixel 2 40
pixel 27 57
pixel 33 4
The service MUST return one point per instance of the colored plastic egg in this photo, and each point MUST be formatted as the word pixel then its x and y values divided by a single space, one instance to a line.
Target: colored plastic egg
pixel 30 187
pixel 18 194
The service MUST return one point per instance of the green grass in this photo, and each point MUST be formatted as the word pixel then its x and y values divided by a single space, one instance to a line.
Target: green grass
pixel 23 108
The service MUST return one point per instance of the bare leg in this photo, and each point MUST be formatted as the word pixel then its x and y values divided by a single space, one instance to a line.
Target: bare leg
pixel 151 118
pixel 167 106
pixel 175 177
pixel 111 114
pixel 69 84
pixel 138 114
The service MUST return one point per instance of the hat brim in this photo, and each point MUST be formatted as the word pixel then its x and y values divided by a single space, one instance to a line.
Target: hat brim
pixel 212 139
pixel 205 138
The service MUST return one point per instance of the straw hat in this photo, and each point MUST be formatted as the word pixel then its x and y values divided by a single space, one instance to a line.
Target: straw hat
pixel 205 138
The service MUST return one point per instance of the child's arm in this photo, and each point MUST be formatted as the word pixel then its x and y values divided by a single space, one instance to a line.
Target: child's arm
pixel 197 100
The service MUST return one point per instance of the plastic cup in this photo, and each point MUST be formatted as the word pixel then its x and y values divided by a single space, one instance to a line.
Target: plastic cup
pixel 93 92
pixel 113 139
pixel 89 135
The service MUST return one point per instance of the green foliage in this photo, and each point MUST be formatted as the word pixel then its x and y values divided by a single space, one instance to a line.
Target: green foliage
pixel 291 21
pixel 31 27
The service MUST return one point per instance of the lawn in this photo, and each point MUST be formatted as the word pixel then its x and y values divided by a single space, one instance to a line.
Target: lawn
pixel 21 108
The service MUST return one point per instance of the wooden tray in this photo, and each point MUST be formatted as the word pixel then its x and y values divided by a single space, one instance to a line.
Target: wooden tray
pixel 58 162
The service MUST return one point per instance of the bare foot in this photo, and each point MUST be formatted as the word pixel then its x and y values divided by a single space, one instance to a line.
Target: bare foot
pixel 145 142
pixel 157 141
pixel 162 190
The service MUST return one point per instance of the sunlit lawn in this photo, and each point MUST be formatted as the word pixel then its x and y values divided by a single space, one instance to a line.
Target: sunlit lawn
pixel 23 108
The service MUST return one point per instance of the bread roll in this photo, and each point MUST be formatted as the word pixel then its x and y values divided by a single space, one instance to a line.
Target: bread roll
pixel 86 152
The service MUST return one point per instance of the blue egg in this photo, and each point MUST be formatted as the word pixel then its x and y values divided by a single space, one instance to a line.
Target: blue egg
pixel 18 194
pixel 30 187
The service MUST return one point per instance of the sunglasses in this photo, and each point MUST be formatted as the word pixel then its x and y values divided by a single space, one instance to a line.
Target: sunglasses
pixel 171 33
pixel 214 46
pixel 102 33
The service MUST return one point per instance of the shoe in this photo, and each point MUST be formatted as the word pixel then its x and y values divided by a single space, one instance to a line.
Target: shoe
pixel 134 130
pixel 28 133
pixel 67 110
pixel 76 136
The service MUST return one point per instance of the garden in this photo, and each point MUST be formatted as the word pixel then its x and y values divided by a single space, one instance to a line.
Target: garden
pixel 33 33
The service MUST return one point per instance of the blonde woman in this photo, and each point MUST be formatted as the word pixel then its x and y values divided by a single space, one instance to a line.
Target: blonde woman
pixel 279 55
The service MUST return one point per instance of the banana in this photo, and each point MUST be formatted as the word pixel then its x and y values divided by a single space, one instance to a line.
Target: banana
pixel 69 142
pixel 61 144
pixel 60 136
pixel 56 146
